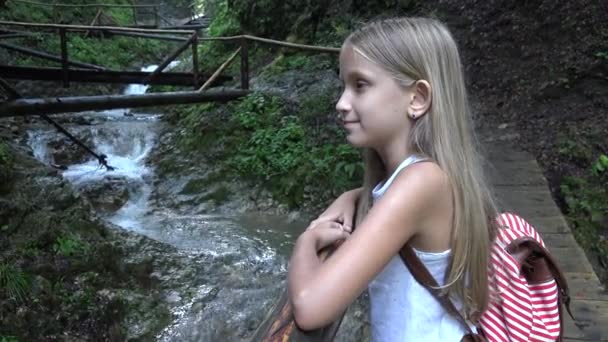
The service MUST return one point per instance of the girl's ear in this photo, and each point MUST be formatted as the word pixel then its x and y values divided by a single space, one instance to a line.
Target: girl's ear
pixel 420 101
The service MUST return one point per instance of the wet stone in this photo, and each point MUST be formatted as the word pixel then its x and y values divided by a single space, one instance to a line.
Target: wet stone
pixel 109 195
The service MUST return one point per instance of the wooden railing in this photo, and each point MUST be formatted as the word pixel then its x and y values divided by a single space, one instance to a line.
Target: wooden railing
pixel 62 105
pixel 190 41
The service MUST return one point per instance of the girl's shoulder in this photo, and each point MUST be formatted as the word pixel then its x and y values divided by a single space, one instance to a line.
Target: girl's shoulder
pixel 424 176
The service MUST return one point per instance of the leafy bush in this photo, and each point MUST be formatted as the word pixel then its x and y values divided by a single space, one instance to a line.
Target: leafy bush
pixel 587 200
pixel 262 143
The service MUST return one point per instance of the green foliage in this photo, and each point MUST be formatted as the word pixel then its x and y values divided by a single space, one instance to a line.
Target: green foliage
pixel 574 148
pixel 602 55
pixel 298 61
pixel 13 282
pixel 587 200
pixel 19 11
pixel 262 143
pixel 224 23
pixel 213 53
pixel 6 159
pixel 601 165
pixel 70 245
pixel 115 53
pixel 8 338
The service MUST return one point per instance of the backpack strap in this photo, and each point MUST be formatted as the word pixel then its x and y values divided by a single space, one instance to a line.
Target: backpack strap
pixel 422 276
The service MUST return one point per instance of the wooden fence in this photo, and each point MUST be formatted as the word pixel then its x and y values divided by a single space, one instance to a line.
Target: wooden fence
pixel 120 101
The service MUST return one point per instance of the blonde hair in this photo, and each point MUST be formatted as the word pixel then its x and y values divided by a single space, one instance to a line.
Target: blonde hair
pixel 413 49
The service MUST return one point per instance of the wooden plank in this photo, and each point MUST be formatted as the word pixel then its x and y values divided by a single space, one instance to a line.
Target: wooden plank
pixel 145 35
pixel 219 70
pixel 586 286
pixel 571 259
pixel 195 60
pixel 93 28
pixel 22 107
pixel 168 60
pixel 558 240
pixel 44 55
pixel 244 64
pixel 64 57
pixel 515 173
pixel 591 321
pixel 82 5
pixel 505 152
pixel 275 43
pixel 107 76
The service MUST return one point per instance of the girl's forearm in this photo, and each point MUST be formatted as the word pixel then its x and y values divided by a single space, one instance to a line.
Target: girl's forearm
pixel 302 266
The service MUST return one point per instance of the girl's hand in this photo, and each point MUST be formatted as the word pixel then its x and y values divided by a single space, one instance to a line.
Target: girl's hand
pixel 326 232
pixel 342 211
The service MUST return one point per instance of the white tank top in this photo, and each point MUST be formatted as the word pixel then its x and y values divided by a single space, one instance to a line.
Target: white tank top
pixel 400 308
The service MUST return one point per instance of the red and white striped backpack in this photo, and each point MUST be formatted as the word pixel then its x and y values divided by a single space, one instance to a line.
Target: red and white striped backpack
pixel 527 286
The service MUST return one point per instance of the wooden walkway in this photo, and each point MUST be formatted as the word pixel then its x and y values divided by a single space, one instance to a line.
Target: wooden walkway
pixel 521 187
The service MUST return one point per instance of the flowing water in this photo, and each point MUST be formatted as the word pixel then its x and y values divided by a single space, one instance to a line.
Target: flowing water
pixel 242 258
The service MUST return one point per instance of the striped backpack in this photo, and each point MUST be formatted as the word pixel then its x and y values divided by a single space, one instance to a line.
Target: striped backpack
pixel 526 285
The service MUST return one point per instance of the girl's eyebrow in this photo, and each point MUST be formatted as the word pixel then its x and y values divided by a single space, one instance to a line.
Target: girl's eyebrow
pixel 356 73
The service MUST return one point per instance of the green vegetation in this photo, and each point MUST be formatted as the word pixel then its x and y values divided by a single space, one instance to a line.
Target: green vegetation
pixel 19 11
pixel 6 166
pixel 602 54
pixel 70 245
pixel 586 194
pixel 299 61
pixel 116 53
pixel 256 139
pixel 5 156
pixel 13 282
pixel 8 338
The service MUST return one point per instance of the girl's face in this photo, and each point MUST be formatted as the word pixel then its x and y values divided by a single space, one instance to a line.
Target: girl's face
pixel 373 106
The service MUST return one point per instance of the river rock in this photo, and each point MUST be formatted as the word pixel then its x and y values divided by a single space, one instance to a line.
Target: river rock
pixel 108 195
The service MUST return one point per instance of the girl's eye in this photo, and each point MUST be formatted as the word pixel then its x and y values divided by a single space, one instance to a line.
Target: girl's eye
pixel 361 84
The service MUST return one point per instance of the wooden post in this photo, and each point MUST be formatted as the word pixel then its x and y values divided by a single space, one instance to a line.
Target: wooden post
pixel 134 16
pixel 168 60
pixel 244 64
pixel 64 57
pixel 95 22
pixel 195 59
pixel 156 19
pixel 219 70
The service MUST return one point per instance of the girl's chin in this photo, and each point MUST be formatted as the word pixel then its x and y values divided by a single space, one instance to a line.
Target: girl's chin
pixel 356 141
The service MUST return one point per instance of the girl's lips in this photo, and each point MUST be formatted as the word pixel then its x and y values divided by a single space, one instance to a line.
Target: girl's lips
pixel 349 122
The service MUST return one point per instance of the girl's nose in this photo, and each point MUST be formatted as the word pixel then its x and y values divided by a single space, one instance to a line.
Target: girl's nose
pixel 343 106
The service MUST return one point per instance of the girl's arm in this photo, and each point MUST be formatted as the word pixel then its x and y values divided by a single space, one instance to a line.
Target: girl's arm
pixel 320 291
pixel 342 210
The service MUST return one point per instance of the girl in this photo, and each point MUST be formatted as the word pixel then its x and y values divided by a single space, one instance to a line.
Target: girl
pixel 404 102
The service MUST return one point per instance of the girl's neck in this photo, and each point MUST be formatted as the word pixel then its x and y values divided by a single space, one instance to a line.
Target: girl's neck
pixel 393 158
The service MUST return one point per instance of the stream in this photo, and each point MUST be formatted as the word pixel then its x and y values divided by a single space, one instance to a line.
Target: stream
pixel 241 258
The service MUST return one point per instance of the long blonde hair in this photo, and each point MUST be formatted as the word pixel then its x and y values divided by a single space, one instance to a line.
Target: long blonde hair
pixel 413 49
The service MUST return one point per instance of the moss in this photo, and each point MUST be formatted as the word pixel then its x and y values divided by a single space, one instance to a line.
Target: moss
pixel 6 167
pixel 218 196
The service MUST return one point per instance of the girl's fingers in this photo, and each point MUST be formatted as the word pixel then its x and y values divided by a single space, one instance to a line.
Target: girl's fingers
pixel 324 223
